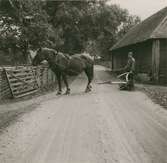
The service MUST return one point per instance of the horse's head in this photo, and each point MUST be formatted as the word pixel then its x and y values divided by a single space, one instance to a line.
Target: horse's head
pixel 43 54
pixel 39 57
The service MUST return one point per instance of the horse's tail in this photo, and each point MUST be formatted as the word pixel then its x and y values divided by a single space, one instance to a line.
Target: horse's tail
pixel 92 71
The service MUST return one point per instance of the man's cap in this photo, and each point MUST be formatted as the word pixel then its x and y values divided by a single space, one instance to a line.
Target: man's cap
pixel 130 53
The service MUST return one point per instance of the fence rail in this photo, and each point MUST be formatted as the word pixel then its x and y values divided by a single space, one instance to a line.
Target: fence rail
pixel 23 80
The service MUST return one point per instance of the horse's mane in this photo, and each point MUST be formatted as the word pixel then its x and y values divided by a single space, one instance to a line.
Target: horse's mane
pixel 49 49
pixel 48 52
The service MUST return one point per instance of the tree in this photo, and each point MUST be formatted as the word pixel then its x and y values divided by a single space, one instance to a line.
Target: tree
pixel 67 17
pixel 67 26
pixel 111 24
pixel 129 22
pixel 24 24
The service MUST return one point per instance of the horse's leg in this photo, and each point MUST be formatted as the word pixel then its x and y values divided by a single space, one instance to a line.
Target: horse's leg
pixel 66 83
pixel 89 72
pixel 58 75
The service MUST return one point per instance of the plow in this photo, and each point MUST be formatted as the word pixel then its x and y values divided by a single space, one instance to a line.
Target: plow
pixel 125 84
pixel 124 75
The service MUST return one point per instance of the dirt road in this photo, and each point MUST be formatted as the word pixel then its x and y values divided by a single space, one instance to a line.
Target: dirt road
pixel 104 126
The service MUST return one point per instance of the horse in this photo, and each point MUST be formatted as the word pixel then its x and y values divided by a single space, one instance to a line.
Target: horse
pixel 63 64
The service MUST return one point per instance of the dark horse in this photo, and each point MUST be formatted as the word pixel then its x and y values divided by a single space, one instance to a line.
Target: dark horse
pixel 64 64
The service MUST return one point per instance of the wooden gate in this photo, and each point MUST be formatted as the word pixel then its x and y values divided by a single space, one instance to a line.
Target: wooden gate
pixel 21 81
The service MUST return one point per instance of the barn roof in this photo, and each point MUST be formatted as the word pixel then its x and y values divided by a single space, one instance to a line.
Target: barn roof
pixel 153 27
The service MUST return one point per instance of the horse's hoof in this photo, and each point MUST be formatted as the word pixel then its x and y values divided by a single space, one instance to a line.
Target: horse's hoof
pixel 67 92
pixel 59 93
pixel 88 90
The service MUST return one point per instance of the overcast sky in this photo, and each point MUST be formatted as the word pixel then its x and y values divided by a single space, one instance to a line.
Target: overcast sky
pixel 142 8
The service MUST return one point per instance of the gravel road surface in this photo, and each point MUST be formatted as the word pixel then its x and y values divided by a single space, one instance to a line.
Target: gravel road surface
pixel 104 126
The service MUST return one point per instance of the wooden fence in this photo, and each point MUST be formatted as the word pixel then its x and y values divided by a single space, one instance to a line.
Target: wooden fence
pixel 20 81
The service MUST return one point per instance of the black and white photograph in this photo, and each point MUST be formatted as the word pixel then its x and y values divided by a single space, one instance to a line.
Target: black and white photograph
pixel 83 81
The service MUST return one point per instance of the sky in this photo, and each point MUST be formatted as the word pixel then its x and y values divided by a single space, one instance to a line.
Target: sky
pixel 142 8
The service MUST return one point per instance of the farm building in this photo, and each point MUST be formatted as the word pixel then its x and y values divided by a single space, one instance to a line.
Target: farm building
pixel 148 42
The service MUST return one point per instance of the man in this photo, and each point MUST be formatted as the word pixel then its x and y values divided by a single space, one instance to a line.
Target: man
pixel 130 68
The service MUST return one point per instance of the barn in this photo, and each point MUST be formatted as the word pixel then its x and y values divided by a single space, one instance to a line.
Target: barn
pixel 148 42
